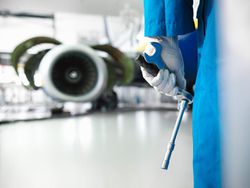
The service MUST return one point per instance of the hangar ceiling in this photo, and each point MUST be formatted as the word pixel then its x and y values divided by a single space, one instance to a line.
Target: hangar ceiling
pixel 107 7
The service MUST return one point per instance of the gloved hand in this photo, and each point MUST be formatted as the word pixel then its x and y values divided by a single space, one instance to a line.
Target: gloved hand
pixel 168 80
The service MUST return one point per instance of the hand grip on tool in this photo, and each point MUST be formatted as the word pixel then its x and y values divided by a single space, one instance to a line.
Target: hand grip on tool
pixel 153 65
pixel 153 69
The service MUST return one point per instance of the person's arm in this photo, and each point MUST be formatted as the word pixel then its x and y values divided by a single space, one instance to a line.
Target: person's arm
pixel 154 18
pixel 164 21
pixel 179 17
pixel 168 17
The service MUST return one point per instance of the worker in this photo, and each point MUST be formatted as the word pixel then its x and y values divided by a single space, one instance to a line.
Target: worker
pixel 164 21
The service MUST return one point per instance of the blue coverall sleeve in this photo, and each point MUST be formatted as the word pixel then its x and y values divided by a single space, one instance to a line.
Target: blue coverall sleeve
pixel 168 17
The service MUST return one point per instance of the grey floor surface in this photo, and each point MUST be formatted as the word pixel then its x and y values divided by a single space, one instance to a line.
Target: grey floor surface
pixel 114 150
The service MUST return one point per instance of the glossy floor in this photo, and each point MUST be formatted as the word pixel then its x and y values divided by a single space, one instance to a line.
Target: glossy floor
pixel 106 150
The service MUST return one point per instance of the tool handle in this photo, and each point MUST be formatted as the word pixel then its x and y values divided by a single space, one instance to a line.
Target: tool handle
pixel 151 68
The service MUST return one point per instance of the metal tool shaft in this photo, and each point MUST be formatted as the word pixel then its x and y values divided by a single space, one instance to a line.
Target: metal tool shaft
pixel 182 96
pixel 171 144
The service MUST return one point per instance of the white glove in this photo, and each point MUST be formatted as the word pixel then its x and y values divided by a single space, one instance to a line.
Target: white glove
pixel 168 80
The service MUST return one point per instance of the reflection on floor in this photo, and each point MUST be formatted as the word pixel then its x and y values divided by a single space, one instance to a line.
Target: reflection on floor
pixel 114 150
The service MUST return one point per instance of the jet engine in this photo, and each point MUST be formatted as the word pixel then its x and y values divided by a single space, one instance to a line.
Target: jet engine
pixel 76 73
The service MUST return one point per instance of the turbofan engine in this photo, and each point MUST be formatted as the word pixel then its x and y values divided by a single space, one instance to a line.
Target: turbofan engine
pixel 77 73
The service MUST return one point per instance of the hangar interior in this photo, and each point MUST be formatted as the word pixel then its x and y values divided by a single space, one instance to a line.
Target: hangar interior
pixel 75 110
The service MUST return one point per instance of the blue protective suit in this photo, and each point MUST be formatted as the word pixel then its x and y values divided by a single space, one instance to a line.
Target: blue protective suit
pixel 175 17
